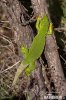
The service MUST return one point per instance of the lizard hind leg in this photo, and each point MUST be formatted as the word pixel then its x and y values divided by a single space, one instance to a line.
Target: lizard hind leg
pixel 30 68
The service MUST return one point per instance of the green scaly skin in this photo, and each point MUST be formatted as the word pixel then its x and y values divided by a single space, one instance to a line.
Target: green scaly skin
pixel 30 56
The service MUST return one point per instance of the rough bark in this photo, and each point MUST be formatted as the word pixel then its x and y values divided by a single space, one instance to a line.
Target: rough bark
pixel 51 52
pixel 23 35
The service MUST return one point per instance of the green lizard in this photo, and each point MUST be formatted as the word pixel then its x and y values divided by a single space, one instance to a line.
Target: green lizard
pixel 43 27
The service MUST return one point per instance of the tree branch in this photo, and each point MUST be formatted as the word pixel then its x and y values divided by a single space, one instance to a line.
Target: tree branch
pixel 51 52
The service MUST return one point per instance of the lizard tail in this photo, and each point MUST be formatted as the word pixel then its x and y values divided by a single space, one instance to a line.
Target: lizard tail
pixel 19 71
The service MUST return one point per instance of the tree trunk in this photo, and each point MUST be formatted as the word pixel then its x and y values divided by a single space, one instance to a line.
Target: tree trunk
pixel 23 36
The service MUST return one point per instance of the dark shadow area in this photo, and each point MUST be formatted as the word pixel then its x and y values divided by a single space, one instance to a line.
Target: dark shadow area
pixel 15 98
pixel 27 5
pixel 55 11
pixel 56 14
pixel 29 14
pixel 59 37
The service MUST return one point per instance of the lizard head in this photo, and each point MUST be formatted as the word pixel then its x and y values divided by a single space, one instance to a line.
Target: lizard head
pixel 41 22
